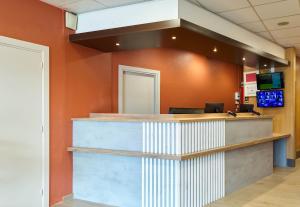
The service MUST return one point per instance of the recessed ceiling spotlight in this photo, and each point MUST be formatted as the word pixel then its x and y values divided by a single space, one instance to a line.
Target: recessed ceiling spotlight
pixel 244 59
pixel 215 49
pixel 117 44
pixel 283 23
pixel 174 37
pixel 265 65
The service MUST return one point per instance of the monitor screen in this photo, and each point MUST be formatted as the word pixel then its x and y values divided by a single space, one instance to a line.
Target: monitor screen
pixel 268 99
pixel 214 108
pixel 173 110
pixel 246 108
pixel 267 81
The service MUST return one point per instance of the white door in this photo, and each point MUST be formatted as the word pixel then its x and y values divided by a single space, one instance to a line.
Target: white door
pixel 22 116
pixel 138 90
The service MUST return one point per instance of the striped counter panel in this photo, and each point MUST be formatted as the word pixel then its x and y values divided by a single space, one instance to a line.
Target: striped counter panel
pixel 190 183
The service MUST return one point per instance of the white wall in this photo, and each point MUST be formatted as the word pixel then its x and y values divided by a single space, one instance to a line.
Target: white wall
pixel 146 12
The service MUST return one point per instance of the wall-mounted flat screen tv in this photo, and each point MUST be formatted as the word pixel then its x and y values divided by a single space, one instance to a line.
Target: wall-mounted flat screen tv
pixel 269 81
pixel 269 99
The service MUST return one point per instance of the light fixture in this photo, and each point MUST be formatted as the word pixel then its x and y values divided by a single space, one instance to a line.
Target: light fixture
pixel 265 65
pixel 174 37
pixel 117 44
pixel 215 50
pixel 283 23
pixel 244 59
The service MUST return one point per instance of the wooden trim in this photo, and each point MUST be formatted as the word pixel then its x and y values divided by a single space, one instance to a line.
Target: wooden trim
pixel 236 146
pixel 123 153
pixel 298 154
pixel 179 157
pixel 230 41
pixel 170 117
pixel 158 36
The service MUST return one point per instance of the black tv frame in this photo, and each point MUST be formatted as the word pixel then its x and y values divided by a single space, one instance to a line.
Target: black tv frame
pixel 265 89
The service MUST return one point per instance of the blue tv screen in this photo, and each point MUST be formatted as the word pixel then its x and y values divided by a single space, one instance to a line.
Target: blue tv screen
pixel 269 99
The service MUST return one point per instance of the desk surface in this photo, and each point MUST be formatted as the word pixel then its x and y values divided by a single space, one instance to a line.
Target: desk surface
pixel 187 156
pixel 169 117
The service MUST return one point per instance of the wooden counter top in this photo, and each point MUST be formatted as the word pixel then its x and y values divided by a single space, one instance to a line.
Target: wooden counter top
pixel 126 153
pixel 169 117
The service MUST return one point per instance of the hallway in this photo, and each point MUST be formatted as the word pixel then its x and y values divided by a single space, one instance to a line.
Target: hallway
pixel 282 189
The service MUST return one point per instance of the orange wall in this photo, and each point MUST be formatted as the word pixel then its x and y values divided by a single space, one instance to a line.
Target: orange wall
pixel 187 79
pixel 80 79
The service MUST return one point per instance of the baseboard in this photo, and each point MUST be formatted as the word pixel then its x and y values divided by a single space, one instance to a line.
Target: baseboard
pixel 57 204
pixel 68 200
pixel 90 204
pixel 297 154
pixel 291 162
pixel 67 197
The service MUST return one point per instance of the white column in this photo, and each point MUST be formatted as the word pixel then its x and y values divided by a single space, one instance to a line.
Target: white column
pixel 191 183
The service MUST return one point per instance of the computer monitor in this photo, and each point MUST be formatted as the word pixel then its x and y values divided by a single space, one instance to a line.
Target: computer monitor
pixel 246 108
pixel 214 108
pixel 173 110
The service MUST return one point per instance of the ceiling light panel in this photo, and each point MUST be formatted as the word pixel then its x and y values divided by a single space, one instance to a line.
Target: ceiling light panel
pixel 272 24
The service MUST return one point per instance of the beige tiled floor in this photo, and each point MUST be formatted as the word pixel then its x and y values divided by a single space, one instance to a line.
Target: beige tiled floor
pixel 282 189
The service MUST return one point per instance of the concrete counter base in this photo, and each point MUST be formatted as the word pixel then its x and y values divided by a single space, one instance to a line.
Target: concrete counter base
pixel 147 182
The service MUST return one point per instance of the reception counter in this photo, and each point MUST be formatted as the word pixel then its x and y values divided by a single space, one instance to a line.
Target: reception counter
pixel 171 160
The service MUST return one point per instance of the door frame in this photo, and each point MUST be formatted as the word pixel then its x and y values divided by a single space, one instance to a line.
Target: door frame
pixel 143 71
pixel 44 52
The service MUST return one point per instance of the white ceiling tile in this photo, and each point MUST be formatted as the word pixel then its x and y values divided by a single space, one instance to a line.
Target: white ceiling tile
pixel 265 35
pixel 278 9
pixel 80 6
pixel 259 2
pixel 272 24
pixel 59 2
pixel 220 6
pixel 194 1
pixel 83 6
pixel 286 33
pixel 289 42
pixel 254 26
pixel 241 15
pixel 115 3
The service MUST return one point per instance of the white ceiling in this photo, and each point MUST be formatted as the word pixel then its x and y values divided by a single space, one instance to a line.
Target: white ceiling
pixel 81 6
pixel 259 16
pixel 262 17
